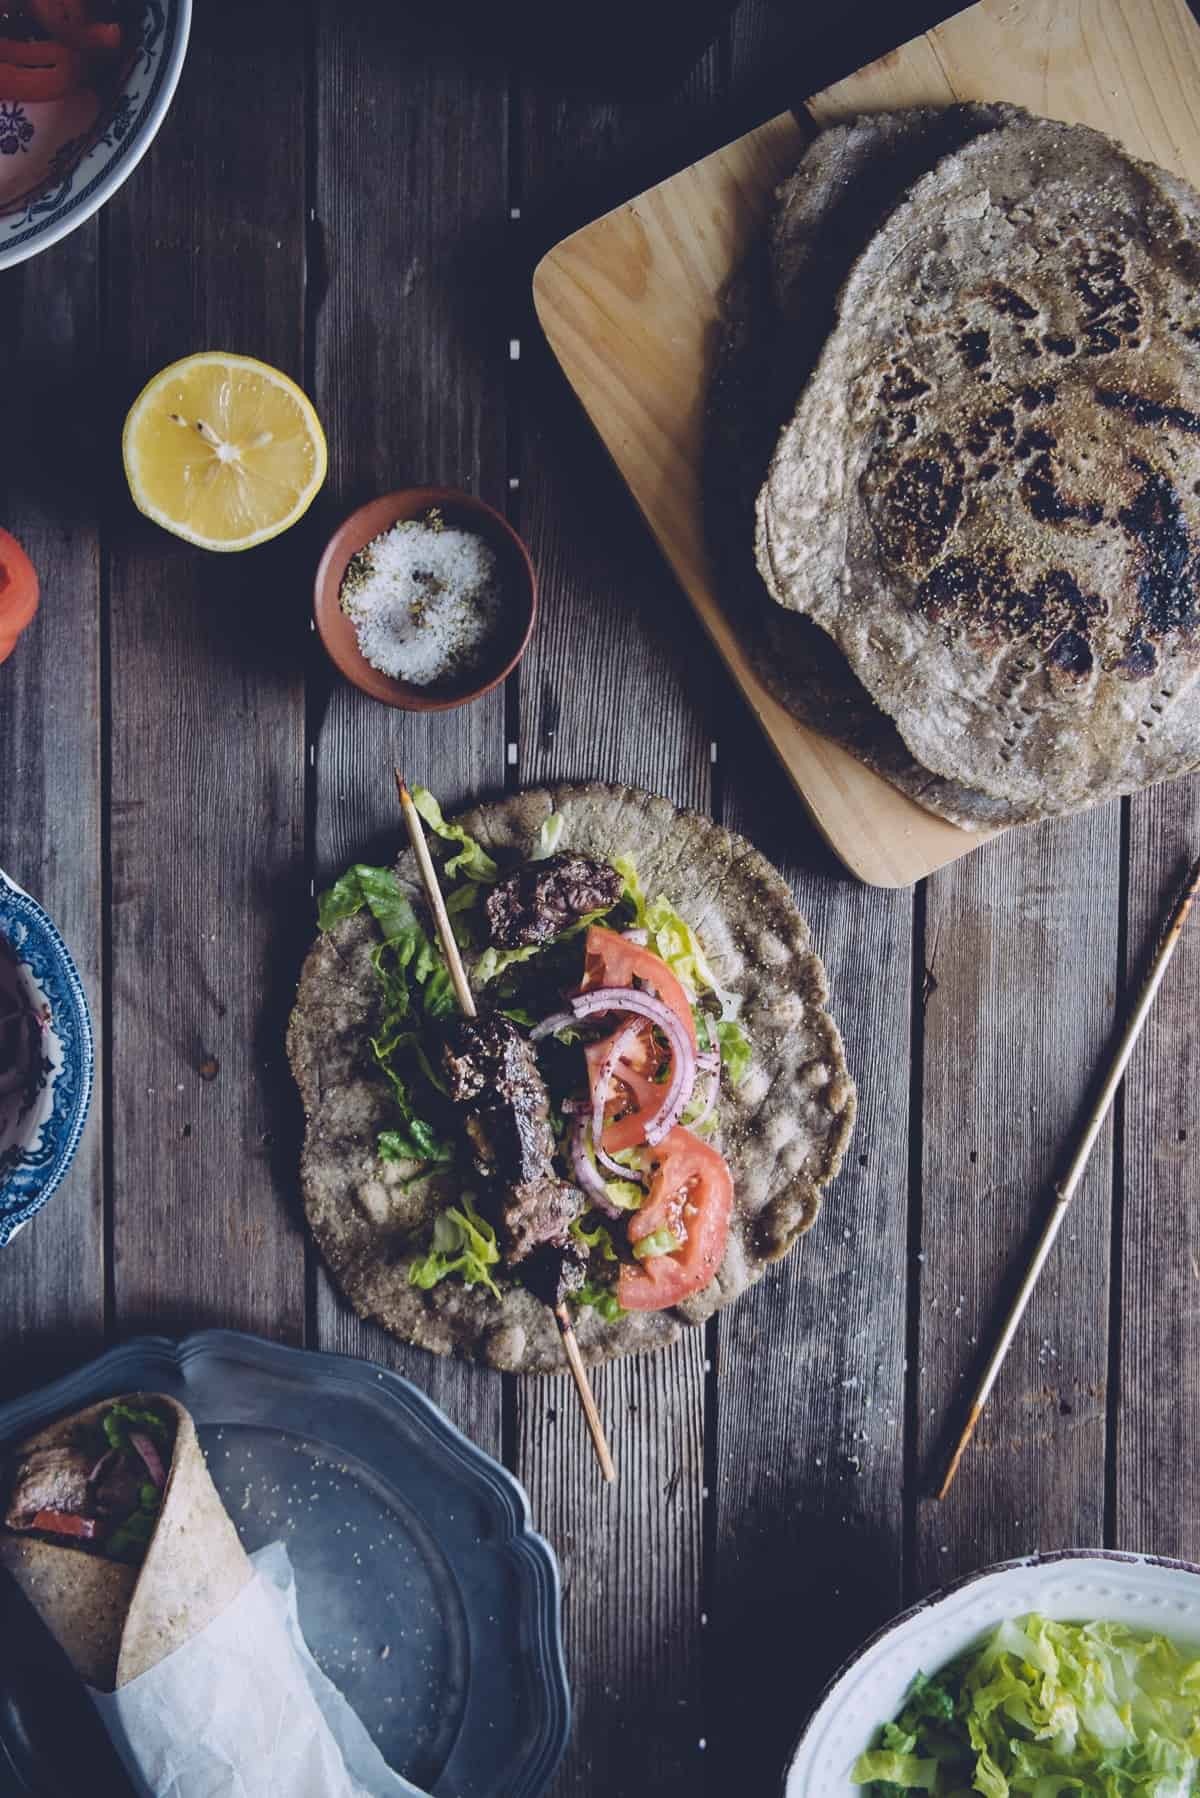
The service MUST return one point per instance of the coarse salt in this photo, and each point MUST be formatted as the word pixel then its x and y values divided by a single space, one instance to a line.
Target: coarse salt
pixel 424 599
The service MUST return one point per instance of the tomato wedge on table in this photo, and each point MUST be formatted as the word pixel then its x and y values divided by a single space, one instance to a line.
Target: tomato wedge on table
pixel 18 592
pixel 691 1196
pixel 636 1096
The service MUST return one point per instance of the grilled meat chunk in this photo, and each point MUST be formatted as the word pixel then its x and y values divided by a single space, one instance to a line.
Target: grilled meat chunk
pixel 493 1073
pixel 49 1479
pixel 117 1484
pixel 538 1213
pixel 539 900
pixel 552 1275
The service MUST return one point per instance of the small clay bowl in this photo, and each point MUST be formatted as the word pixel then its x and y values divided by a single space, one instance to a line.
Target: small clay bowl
pixel 516 575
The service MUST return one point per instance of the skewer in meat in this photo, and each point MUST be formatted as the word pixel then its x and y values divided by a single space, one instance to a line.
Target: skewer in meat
pixel 493 1074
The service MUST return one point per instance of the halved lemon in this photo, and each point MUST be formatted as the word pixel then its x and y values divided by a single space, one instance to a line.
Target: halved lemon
pixel 223 450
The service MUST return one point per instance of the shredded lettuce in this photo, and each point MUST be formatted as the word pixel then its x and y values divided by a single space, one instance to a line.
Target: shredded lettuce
pixel 1045 1709
pixel 121 1419
pixel 601 1298
pixel 672 937
pixel 597 1241
pixel 462 1243
pixel 736 1053
pixel 626 1195
pixel 472 859
pixel 548 837
pixel 659 1242
pixel 416 987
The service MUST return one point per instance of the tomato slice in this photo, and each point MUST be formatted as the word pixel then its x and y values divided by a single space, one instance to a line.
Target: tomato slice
pixel 65 1523
pixel 18 583
pixel 71 22
pixel 636 1096
pixel 41 71
pixel 691 1194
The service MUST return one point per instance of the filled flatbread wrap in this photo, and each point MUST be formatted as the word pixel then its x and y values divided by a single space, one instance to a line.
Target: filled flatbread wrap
pixel 115 1533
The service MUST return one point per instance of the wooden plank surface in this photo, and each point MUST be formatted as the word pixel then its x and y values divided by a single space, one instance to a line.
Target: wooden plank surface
pixel 1019 961
pixel 807 1444
pixel 52 1290
pixel 410 372
pixel 1156 1503
pixel 206 718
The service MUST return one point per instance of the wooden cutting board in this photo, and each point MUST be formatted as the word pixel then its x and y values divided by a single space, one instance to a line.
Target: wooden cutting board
pixel 629 305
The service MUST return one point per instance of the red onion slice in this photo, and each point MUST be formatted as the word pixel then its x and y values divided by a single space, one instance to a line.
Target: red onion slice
pixel 680 1086
pixel 150 1457
pixel 103 1464
pixel 549 1025
pixel 616 1170
pixel 604 1077
pixel 586 1175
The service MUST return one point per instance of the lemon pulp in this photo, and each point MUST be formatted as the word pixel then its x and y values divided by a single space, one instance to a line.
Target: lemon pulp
pixel 223 450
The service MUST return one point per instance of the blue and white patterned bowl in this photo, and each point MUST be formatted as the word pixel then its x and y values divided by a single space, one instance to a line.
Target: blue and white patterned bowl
pixel 47 1058
pixel 61 160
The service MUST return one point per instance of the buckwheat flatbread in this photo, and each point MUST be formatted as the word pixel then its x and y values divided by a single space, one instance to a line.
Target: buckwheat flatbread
pixel 989 495
pixel 777 312
pixel 783 1132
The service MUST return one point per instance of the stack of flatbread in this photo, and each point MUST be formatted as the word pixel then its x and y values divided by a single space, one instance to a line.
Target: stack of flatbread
pixel 953 468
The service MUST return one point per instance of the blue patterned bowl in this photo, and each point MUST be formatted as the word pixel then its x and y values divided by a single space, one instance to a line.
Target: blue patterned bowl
pixel 47 1058
pixel 61 159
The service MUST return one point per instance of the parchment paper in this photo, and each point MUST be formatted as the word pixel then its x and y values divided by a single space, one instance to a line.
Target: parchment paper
pixel 243 1711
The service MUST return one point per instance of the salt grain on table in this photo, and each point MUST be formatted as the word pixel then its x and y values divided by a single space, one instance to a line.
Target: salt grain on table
pixel 423 598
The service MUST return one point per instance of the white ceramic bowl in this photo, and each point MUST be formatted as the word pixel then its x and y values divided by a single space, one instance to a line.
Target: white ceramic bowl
pixel 1075 1586
pixel 61 159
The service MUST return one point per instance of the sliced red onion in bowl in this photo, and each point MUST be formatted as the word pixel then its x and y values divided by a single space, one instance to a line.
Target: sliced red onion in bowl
pixel 683 1056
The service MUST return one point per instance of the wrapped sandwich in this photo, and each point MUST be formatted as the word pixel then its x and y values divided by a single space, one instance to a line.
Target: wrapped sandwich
pixel 114 1531
pixel 191 1650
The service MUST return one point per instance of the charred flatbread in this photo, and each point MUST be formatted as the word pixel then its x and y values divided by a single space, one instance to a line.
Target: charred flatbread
pixel 777 313
pixel 989 495
pixel 784 1130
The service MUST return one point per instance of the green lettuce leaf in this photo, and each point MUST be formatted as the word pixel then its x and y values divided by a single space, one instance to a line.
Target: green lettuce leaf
pixel 121 1419
pixel 601 1298
pixel 472 860
pixel 548 837
pixel 672 937
pixel 597 1241
pixel 736 1053
pixel 659 1242
pixel 462 1243
pixel 1048 1710
pixel 416 987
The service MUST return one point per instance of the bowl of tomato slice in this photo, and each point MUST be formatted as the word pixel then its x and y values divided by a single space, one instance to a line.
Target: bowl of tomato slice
pixel 84 87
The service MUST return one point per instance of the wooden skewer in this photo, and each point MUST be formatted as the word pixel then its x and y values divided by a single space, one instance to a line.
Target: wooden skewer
pixel 1074 1173
pixel 466 999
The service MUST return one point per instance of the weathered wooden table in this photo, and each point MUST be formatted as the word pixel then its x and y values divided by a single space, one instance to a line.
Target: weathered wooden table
pixel 362 201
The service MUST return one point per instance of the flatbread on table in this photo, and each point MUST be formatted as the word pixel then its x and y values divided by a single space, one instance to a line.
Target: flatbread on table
pixel 989 494
pixel 114 1621
pixel 778 310
pixel 784 1131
